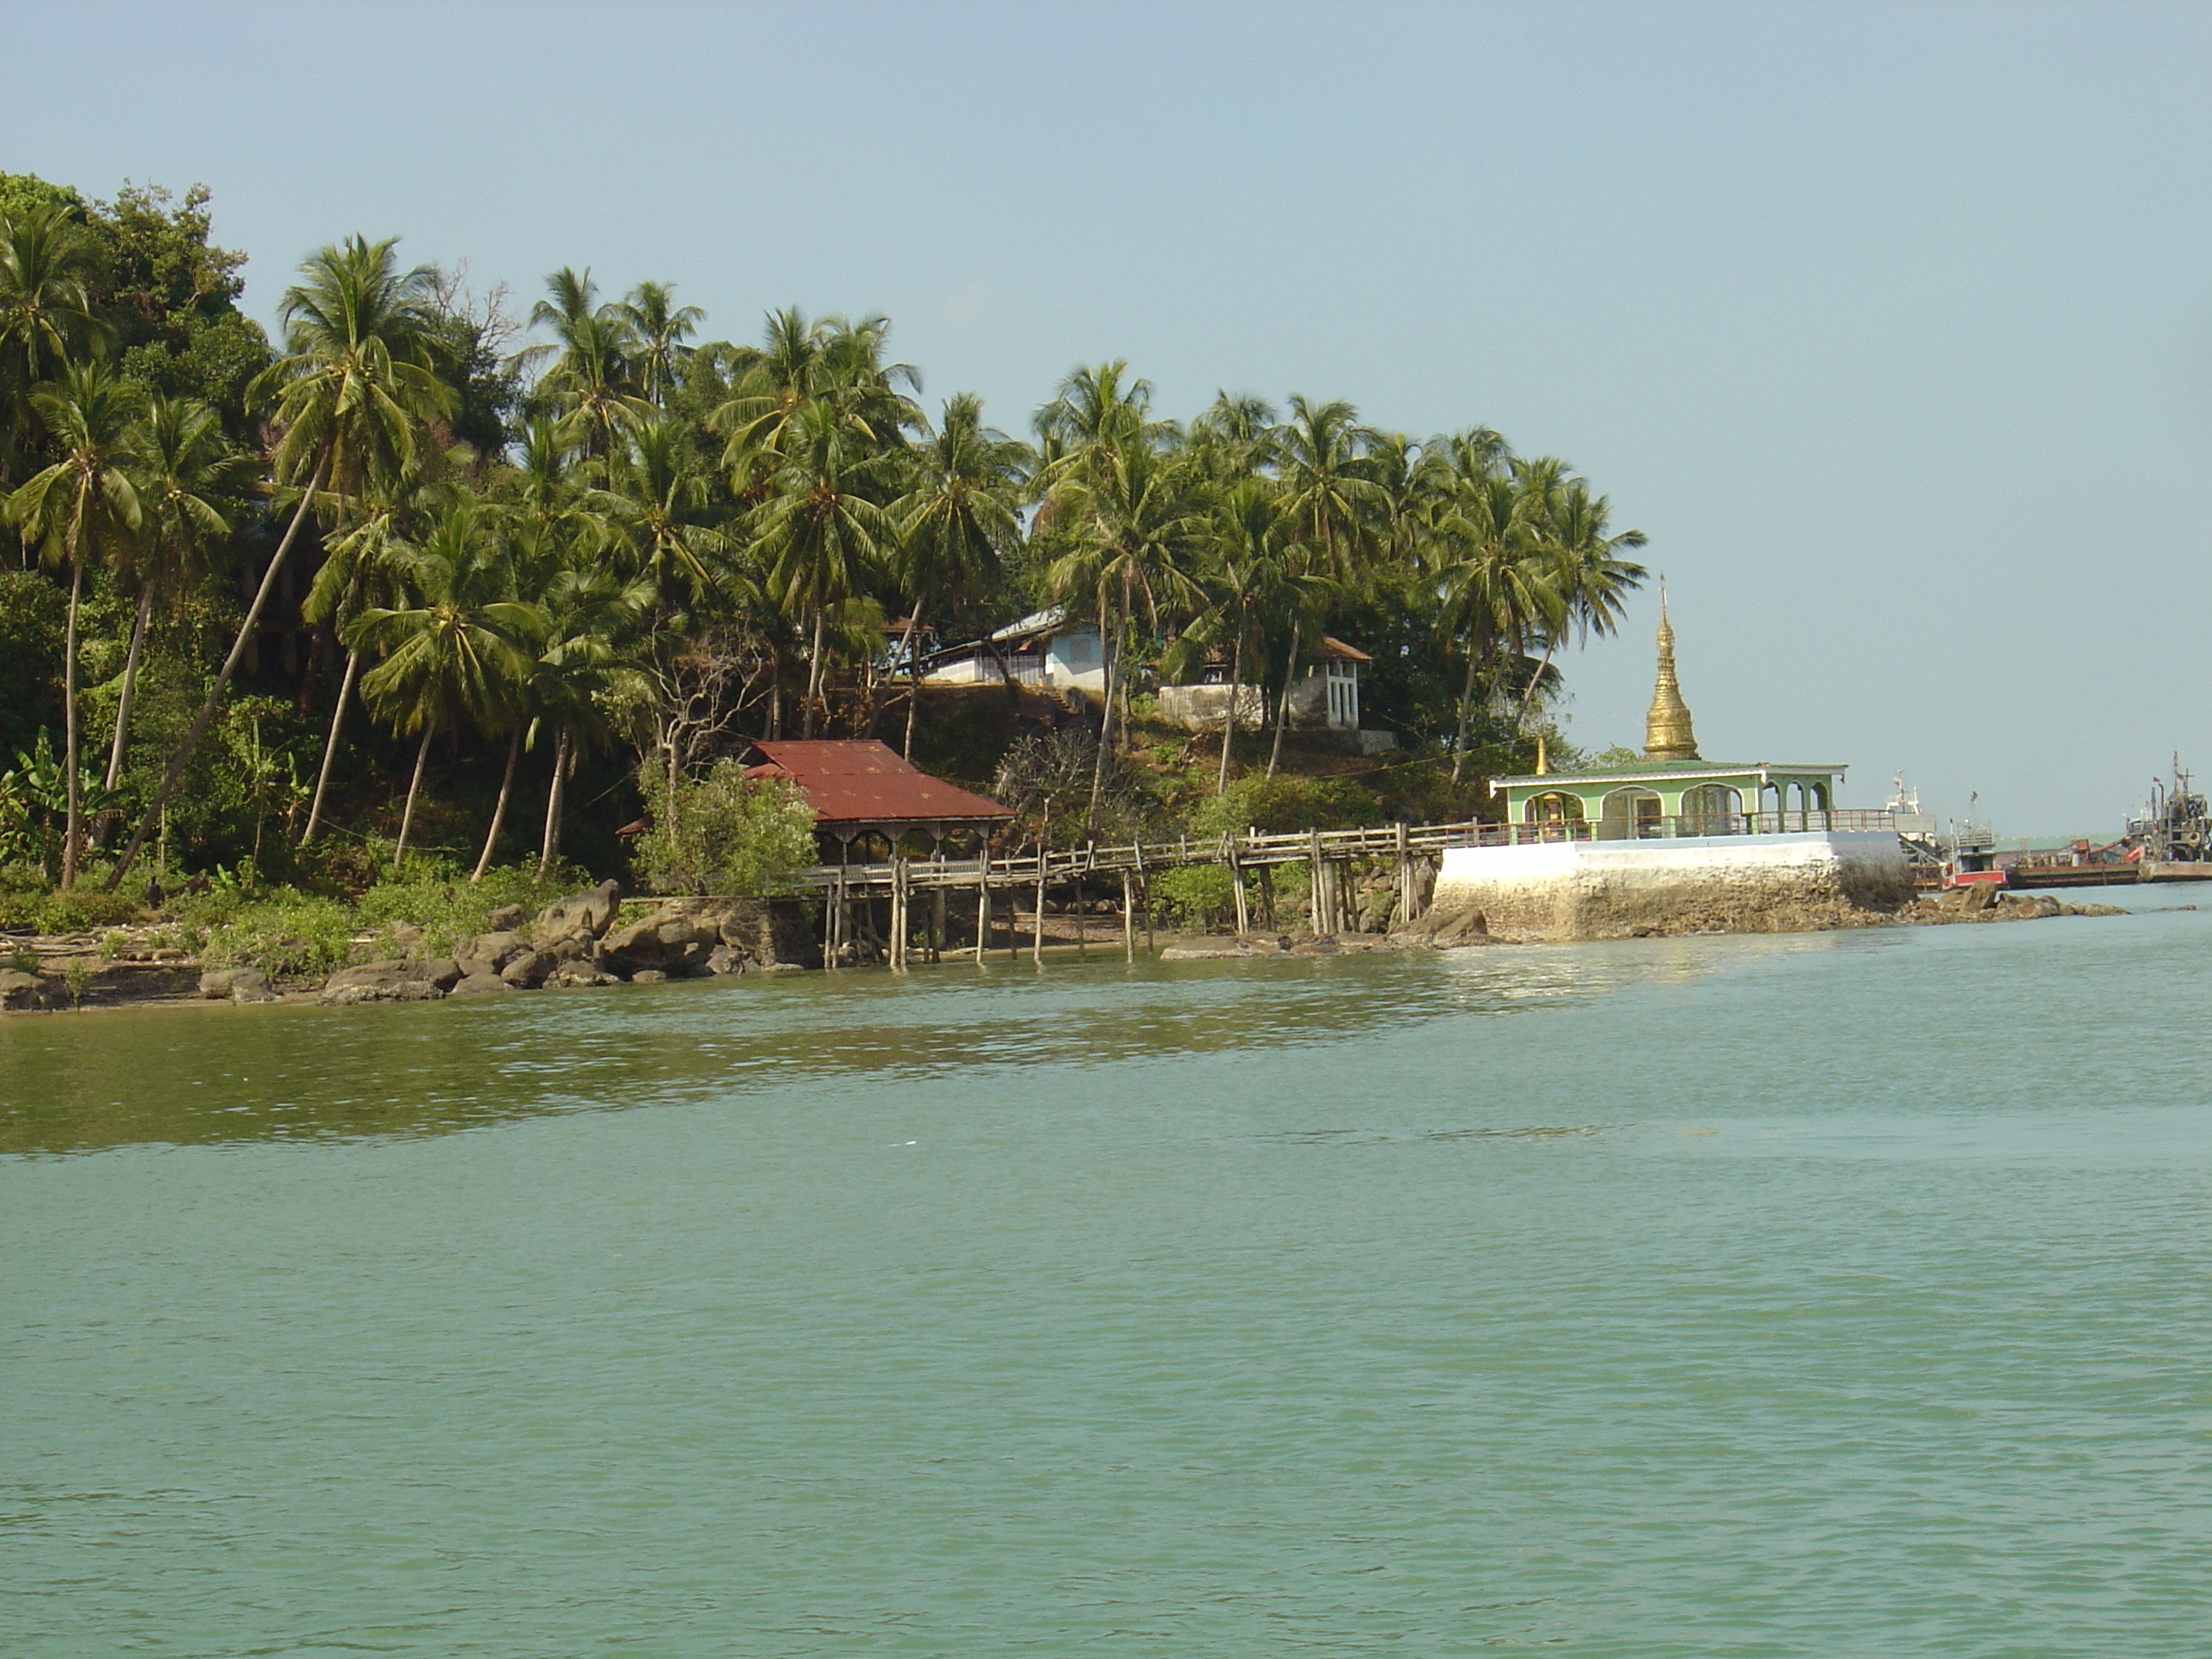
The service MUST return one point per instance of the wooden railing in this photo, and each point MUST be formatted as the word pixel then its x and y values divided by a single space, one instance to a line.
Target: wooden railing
pixel 1301 845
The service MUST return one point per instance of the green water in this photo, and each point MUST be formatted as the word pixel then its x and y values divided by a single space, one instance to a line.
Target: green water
pixel 1828 1295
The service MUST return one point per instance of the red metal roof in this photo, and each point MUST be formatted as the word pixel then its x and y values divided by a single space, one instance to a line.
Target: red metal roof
pixel 859 780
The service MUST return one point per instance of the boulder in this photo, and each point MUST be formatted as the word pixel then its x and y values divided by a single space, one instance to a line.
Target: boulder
pixel 589 915
pixel 577 976
pixel 507 919
pixel 237 984
pixel 443 972
pixel 724 959
pixel 477 985
pixel 529 970
pixel 647 977
pixel 664 943
pixel 20 990
pixel 497 948
pixel 384 982
pixel 472 966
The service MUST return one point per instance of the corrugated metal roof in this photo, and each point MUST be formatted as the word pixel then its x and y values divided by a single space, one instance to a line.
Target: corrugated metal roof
pixel 859 780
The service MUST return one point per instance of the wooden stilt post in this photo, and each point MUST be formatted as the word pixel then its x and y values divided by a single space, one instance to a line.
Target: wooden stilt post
pixel 1403 913
pixel 1128 918
pixel 982 906
pixel 898 914
pixel 1315 911
pixel 1236 880
pixel 1146 882
pixel 937 920
pixel 1036 934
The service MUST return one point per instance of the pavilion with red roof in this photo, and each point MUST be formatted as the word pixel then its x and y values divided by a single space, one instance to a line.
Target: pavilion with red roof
pixel 859 787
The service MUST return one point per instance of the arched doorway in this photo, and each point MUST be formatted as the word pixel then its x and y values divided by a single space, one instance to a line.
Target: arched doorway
pixel 1712 809
pixel 1555 815
pixel 1628 815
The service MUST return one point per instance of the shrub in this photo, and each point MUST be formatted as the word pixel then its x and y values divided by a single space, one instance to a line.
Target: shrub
pixel 1286 802
pixel 80 911
pixel 724 833
pixel 1195 894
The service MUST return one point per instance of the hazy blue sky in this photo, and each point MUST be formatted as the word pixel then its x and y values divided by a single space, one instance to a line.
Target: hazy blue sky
pixel 1891 325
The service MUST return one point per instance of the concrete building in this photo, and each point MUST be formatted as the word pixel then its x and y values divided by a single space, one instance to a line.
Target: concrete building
pixel 1046 648
pixel 1676 843
pixel 1325 698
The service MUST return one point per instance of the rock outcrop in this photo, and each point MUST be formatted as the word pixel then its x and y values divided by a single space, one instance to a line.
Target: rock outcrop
pixel 21 990
pixel 580 916
pixel 236 985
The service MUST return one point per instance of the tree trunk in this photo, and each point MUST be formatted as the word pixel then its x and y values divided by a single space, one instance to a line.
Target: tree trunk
pixel 914 681
pixel 414 787
pixel 1466 715
pixel 331 746
pixel 72 784
pixel 499 811
pixel 1229 722
pixel 198 729
pixel 1105 732
pixel 1282 708
pixel 130 687
pixel 554 798
pixel 813 675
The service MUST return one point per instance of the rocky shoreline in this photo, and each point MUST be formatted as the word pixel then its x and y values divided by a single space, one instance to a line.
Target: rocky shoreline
pixel 583 941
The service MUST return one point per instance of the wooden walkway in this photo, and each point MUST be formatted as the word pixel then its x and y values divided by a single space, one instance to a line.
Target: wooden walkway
pixel 1329 854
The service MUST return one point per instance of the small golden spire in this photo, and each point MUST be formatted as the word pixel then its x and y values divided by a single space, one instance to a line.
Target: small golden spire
pixel 1667 734
pixel 1543 760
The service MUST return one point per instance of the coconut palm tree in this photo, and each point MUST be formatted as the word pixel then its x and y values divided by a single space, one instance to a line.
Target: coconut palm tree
pixel 586 666
pixel 47 317
pixel 1498 574
pixel 656 503
pixel 958 522
pixel 356 383
pixel 591 384
pixel 83 507
pixel 188 470
pixel 460 651
pixel 1250 567
pixel 1593 579
pixel 659 328
pixel 824 533
pixel 1125 515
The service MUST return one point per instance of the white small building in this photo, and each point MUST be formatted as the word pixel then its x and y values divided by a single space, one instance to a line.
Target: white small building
pixel 1042 649
pixel 1325 698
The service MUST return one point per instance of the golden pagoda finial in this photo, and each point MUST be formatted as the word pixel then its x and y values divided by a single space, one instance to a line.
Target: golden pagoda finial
pixel 1667 734
pixel 1543 760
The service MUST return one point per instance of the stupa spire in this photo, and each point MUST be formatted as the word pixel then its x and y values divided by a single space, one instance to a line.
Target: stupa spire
pixel 1667 734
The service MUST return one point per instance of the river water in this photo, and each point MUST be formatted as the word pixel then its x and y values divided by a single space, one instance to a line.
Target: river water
pixel 1830 1294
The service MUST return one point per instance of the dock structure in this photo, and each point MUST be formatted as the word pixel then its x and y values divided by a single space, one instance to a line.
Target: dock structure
pixel 975 882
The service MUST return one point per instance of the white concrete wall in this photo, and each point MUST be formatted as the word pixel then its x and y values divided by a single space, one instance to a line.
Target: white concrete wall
pixel 1735 884
pixel 1203 707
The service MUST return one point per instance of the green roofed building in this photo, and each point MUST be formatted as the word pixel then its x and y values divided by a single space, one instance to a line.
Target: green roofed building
pixel 1673 790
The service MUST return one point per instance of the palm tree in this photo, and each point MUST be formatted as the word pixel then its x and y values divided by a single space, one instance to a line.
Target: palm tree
pixel 824 531
pixel 83 505
pixel 1335 509
pixel 592 383
pixel 1124 514
pixel 958 522
pixel 357 568
pixel 1593 579
pixel 586 665
pixel 659 327
pixel 47 317
pixel 1250 564
pixel 356 382
pixel 1496 574
pixel 185 466
pixel 461 651
pixel 657 501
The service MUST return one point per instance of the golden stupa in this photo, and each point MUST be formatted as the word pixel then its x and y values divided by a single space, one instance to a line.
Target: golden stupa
pixel 1667 734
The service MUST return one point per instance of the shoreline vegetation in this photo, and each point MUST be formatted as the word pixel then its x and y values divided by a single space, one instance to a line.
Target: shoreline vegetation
pixel 474 947
pixel 441 582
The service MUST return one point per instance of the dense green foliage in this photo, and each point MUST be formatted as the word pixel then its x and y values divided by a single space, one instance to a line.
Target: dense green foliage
pixel 724 833
pixel 427 574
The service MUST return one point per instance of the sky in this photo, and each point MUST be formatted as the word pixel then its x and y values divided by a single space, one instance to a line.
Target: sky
pixel 1890 325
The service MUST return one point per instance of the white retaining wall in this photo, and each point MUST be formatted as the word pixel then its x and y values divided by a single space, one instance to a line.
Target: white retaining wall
pixel 1611 888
